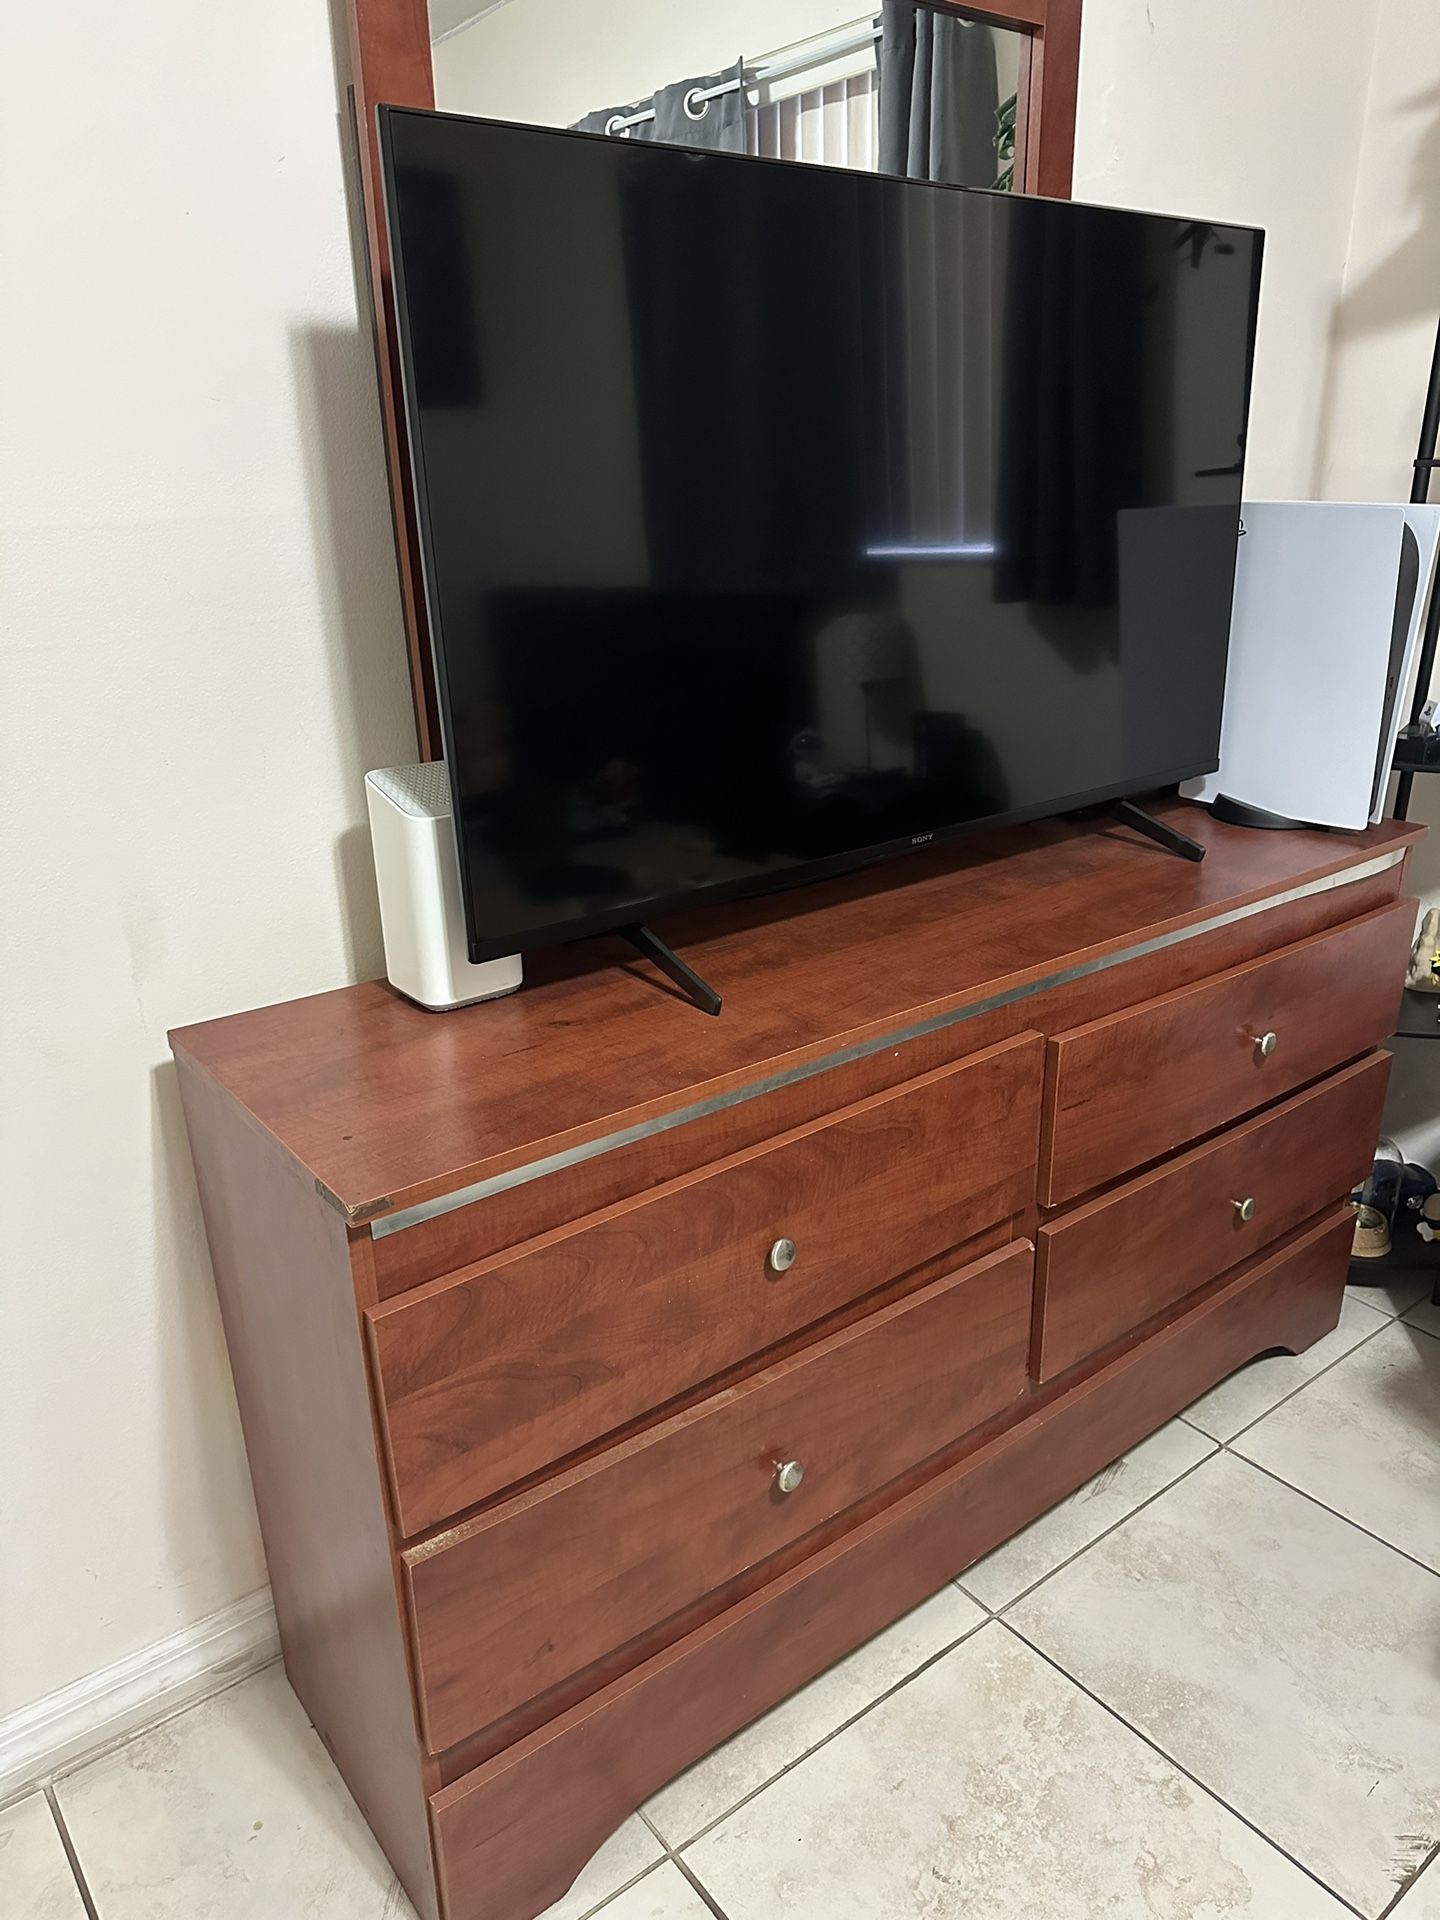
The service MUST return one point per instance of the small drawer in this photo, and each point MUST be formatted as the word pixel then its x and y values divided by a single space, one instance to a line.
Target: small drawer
pixel 1125 1090
pixel 539 1588
pixel 1105 1268
pixel 510 1366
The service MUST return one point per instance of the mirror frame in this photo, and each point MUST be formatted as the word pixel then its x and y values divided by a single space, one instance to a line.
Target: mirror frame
pixel 390 65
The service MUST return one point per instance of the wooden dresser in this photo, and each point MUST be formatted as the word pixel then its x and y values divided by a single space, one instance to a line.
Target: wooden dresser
pixel 608 1370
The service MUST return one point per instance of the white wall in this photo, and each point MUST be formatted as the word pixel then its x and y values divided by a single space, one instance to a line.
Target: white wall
pixel 202 653
pixel 1383 334
pixel 1247 110
pixel 203 650
pixel 1383 325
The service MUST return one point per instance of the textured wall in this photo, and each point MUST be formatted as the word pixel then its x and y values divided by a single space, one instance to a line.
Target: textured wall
pixel 202 653
pixel 1248 110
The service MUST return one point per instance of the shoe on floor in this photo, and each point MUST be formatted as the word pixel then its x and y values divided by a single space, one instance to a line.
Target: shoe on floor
pixel 1372 1234
pixel 1381 1192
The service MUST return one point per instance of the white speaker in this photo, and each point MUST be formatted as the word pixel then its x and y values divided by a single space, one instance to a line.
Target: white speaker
pixel 1330 601
pixel 417 872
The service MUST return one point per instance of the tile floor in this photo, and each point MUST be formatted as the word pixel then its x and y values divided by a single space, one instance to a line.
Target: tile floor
pixel 1206 1686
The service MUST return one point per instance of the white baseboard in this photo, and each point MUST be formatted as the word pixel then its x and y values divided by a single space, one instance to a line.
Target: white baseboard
pixel 54 1734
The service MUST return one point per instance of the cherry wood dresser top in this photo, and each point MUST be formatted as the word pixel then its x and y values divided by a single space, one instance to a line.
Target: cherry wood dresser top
pixel 384 1103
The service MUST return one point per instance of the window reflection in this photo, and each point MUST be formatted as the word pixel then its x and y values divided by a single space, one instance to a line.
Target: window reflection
pixel 909 90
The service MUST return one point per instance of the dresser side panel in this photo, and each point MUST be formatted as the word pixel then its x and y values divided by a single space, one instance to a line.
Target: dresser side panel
pixel 282 1270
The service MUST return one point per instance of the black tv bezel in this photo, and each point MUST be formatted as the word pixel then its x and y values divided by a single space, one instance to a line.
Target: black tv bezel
pixel 803 873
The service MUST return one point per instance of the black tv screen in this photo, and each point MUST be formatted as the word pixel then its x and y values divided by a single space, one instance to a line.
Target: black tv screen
pixel 776 519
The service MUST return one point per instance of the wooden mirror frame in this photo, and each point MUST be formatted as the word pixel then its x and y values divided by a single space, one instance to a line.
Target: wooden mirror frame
pixel 390 66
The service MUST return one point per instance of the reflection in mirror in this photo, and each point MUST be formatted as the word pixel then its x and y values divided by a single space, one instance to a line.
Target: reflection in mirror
pixel 910 90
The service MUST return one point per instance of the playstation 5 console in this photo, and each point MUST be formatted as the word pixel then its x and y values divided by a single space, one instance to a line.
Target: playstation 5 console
pixel 1330 601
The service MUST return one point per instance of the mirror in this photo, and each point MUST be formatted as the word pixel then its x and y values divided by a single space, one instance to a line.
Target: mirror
pixel 908 90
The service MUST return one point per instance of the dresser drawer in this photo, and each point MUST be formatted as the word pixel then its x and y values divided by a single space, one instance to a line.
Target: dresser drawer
pixel 545 1584
pixel 1107 1267
pixel 512 1365
pixel 1124 1090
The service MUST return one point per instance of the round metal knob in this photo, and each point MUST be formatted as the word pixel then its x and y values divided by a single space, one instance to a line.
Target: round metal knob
pixel 1265 1045
pixel 1245 1209
pixel 782 1256
pixel 788 1475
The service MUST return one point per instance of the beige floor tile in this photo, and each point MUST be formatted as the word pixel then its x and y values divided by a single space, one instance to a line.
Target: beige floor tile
pixel 989 1788
pixel 1422 1902
pixel 1396 1296
pixel 1096 1507
pixel 721 1780
pixel 234 1811
pixel 664 1894
pixel 1263 1384
pixel 231 1810
pixel 1276 1652
pixel 628 1852
pixel 35 1878
pixel 1365 1440
pixel 1425 1313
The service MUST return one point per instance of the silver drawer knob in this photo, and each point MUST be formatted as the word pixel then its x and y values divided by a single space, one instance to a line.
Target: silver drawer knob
pixel 788 1475
pixel 782 1256
pixel 1265 1045
pixel 1245 1210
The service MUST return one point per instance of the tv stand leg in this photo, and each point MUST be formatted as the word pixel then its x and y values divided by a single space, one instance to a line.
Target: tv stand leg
pixel 673 967
pixel 1171 838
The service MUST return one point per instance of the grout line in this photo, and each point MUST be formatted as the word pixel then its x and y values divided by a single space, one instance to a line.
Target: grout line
pixel 999 1612
pixel 959 1580
pixel 1193 1778
pixel 45 1782
pixel 70 1854
pixel 704 1892
pixel 672 1858
pixel 1335 1514
pixel 634 1880
pixel 1359 1290
pixel 1408 1882
pixel 592 1913
pixel 68 1768
pixel 1389 1320
pixel 824 1741
pixel 1414 1326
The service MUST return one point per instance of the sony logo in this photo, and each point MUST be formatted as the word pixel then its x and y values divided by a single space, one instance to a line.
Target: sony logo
pixel 919 839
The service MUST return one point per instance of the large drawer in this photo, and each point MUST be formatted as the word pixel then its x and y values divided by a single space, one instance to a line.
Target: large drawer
pixel 542 1586
pixel 1123 1091
pixel 513 1364
pixel 1105 1268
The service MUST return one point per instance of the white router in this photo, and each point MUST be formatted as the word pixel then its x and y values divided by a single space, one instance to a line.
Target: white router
pixel 417 873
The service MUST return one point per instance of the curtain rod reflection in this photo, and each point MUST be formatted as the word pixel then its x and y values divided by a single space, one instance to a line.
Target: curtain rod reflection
pixel 769 66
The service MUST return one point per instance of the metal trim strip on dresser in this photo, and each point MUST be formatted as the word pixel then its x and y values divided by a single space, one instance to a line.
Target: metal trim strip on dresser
pixel 444 1203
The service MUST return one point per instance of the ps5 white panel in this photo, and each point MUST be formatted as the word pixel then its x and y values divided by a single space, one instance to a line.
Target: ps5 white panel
pixel 1310 660
pixel 1424 523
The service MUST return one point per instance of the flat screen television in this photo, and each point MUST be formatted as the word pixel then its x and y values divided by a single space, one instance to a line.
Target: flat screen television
pixel 776 519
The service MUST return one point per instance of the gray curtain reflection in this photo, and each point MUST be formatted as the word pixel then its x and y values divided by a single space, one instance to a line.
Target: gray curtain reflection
pixel 939 96
pixel 678 120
